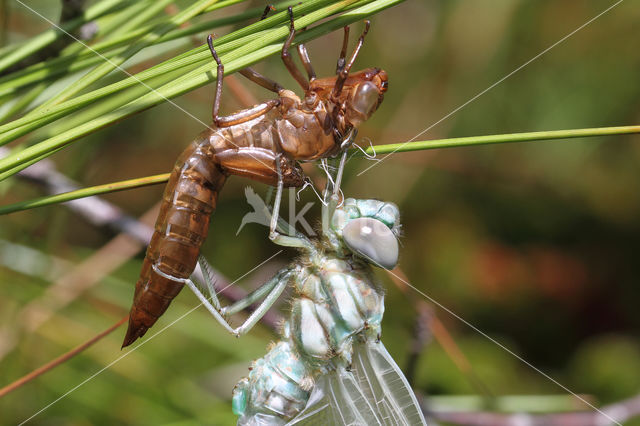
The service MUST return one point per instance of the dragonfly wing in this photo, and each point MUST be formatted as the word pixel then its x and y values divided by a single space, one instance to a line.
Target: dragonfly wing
pixel 373 392
pixel 337 399
pixel 382 381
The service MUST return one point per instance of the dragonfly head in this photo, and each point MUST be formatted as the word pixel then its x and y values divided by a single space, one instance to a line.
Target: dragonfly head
pixel 369 229
pixel 360 96
pixel 362 93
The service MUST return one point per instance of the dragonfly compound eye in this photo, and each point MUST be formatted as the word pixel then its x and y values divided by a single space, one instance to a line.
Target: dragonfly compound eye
pixel 363 104
pixel 373 240
pixel 366 98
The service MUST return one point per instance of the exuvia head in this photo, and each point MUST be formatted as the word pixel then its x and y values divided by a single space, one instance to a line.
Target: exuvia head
pixel 354 97
pixel 370 229
pixel 363 92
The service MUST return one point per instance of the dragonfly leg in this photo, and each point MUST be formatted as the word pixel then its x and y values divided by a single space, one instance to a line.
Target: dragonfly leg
pixel 259 293
pixel 219 78
pixel 272 289
pixel 332 192
pixel 203 299
pixel 245 115
pixel 277 286
pixel 261 80
pixel 209 281
pixel 343 52
pixel 274 235
pixel 255 76
pixel 266 11
pixel 286 56
pixel 252 297
pixel 343 68
pixel 306 61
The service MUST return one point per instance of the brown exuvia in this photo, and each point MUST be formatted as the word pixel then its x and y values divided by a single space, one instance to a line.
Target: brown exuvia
pixel 264 143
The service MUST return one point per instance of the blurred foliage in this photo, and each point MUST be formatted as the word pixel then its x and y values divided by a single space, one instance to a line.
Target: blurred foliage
pixel 535 244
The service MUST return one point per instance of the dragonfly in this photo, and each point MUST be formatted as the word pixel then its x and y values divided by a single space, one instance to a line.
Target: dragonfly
pixel 330 365
pixel 263 143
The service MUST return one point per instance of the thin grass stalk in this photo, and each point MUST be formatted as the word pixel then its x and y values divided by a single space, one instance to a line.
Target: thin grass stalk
pixel 201 54
pixel 29 76
pixel 120 23
pixel 272 21
pixel 93 115
pixel 61 359
pixel 506 138
pixel 85 192
pixel 379 149
pixel 25 100
pixel 46 38
pixel 23 125
pixel 20 167
pixel 128 19
pixel 106 67
pixel 110 104
pixel 59 65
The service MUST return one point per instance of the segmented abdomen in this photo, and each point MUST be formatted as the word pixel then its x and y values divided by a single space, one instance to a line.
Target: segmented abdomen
pixel 182 225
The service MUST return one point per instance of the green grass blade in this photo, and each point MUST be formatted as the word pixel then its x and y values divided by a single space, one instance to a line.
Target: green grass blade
pixel 51 35
pixel 24 101
pixel 116 40
pixel 379 149
pixel 85 192
pixel 223 44
pixel 506 138
pixel 120 22
pixel 109 65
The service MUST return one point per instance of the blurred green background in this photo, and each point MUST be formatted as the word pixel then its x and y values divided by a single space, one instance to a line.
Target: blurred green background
pixel 536 244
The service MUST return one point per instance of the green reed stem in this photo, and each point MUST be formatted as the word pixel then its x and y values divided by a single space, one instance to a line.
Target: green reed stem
pixel 109 65
pixel 85 192
pixel 67 62
pixel 22 51
pixel 506 138
pixel 379 149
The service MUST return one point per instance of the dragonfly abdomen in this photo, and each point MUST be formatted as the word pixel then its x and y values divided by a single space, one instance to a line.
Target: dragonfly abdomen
pixel 182 225
pixel 278 385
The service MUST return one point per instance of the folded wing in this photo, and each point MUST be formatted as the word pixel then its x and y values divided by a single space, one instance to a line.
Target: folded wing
pixel 373 392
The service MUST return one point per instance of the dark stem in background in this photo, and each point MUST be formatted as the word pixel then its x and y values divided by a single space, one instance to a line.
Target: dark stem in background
pixel 60 360
pixel 71 9
pixel 421 338
pixel 427 318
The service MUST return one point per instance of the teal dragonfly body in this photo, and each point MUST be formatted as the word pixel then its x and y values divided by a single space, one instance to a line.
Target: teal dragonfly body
pixel 330 366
